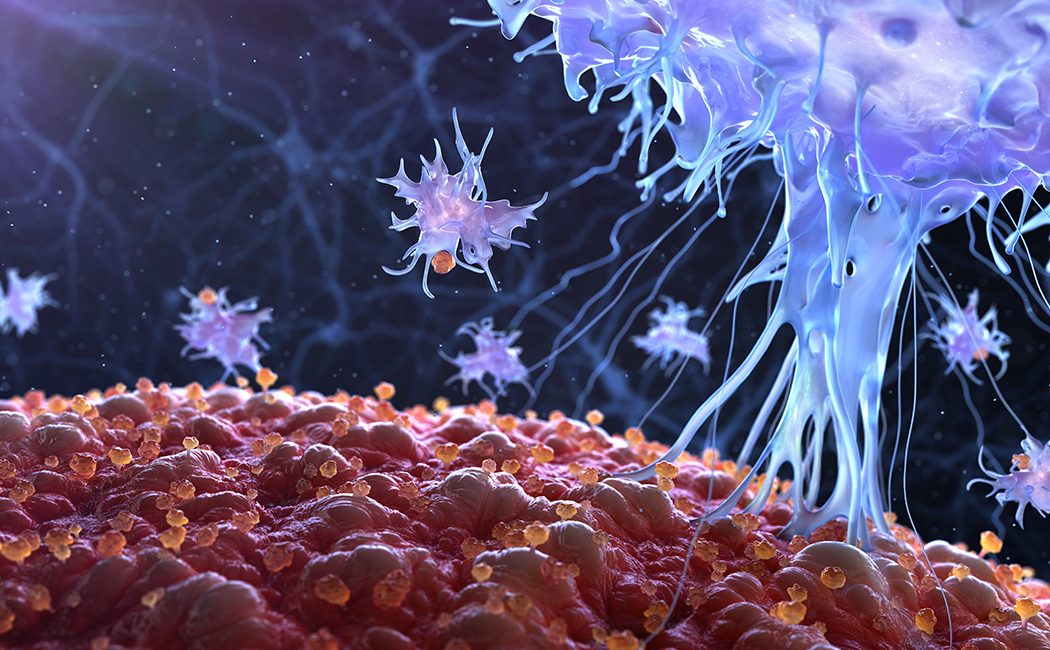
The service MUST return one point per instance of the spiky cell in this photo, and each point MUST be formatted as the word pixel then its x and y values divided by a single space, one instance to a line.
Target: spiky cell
pixel 494 364
pixel 228 332
pixel 456 221
pixel 22 300
pixel 1028 481
pixel 968 339
pixel 885 120
pixel 669 338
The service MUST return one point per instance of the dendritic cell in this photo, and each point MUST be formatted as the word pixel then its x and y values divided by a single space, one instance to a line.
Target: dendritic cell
pixel 228 333
pixel 454 216
pixel 1027 482
pixel 493 356
pixel 669 338
pixel 23 299
pixel 966 339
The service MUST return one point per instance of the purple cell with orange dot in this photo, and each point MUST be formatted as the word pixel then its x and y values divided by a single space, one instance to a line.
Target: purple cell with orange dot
pixel 457 222
pixel 967 338
pixel 228 332
pixel 1026 484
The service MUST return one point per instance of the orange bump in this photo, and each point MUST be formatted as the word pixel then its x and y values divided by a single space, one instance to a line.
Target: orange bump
pixel 925 620
pixel 265 378
pixel 331 589
pixel 834 578
pixel 384 390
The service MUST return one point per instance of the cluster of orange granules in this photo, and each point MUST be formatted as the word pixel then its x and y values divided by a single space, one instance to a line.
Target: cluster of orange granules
pixel 224 518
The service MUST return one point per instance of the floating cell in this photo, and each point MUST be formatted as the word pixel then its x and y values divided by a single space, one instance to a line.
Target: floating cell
pixel 454 216
pixel 1026 484
pixel 669 338
pixel 967 339
pixel 494 364
pixel 22 300
pixel 224 331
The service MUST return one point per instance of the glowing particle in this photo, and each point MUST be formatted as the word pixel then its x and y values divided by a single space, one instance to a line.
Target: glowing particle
pixel 384 390
pixel 39 598
pixel 190 442
pixel 594 417
pixel 277 557
pixel 1026 608
pixel 960 572
pixel 328 469
pixel 695 598
pixel 797 593
pixel 790 612
pixel 392 590
pixel 110 543
pixel 206 535
pixel 16 550
pixel 22 300
pixel 665 484
pixel 542 453
pixel 669 338
pixel 123 521
pixel 494 364
pixel 565 510
pixel 176 517
pixel 925 620
pixel 537 534
pixel 990 543
pixel 441 404
pixel 361 488
pixel 472 547
pixel 453 214
pixel 705 549
pixel 173 538
pixel 21 491
pixel 150 599
pixel 797 543
pixel 589 476
pixel 182 490
pixel 120 456
pixel 519 604
pixel 58 542
pixel 746 521
pixel 7 619
pixel 224 331
pixel 763 550
pixel 510 466
pixel 622 640
pixel 51 461
pixel 331 589
pixel 634 436
pixel 833 577
pixel 245 521
pixel 666 470
pixel 481 572
pixel 447 452
pixel 164 501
